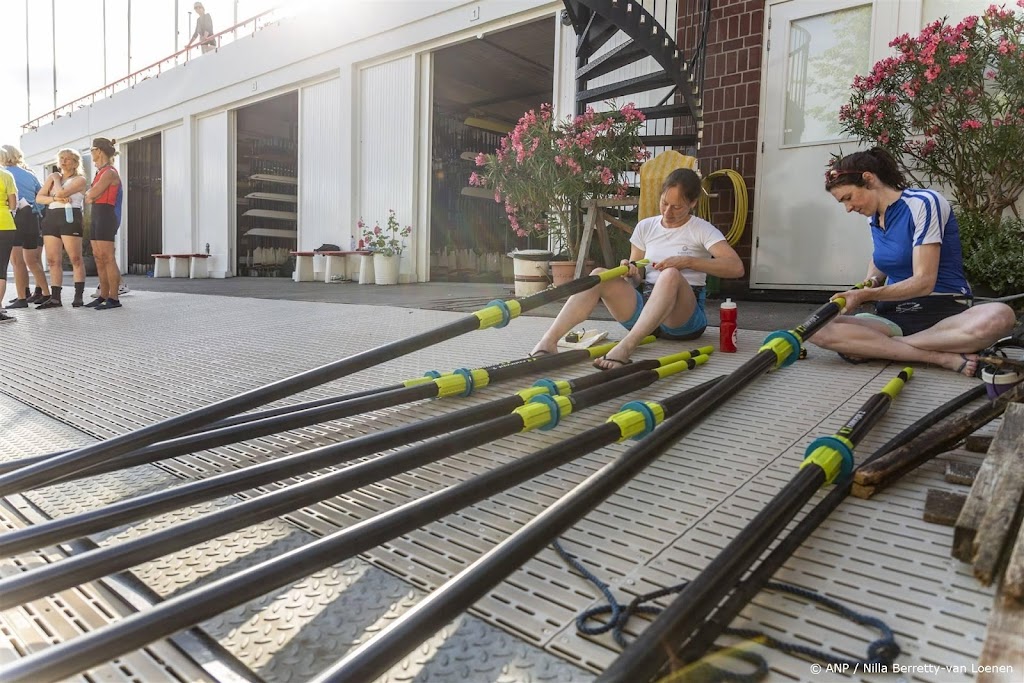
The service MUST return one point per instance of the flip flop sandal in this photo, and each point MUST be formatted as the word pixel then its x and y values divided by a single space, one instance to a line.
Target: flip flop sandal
pixel 977 366
pixel 619 363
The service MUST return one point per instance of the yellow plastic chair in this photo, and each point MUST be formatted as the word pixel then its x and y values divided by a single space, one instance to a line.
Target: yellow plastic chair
pixel 653 174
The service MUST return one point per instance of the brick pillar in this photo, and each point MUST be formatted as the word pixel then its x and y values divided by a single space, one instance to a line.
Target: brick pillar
pixel 731 93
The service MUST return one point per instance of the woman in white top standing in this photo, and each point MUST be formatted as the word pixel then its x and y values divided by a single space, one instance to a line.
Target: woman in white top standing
pixel 683 250
pixel 62 191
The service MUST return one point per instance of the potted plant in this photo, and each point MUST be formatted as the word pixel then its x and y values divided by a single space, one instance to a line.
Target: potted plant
pixel 544 170
pixel 387 245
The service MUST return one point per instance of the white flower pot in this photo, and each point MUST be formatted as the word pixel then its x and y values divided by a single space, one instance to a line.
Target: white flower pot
pixel 385 269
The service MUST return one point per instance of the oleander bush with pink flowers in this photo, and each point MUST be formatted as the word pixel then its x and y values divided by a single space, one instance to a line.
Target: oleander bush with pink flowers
pixel 545 169
pixel 949 105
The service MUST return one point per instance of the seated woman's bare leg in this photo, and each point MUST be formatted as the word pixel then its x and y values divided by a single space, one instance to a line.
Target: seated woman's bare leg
pixel 860 338
pixel 618 295
pixel 672 302
pixel 976 328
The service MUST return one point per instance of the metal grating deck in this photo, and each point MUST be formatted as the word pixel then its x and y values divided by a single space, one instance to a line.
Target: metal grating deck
pixel 663 526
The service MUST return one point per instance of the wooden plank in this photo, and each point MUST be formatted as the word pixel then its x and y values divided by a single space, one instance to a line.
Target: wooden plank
pixel 1013 580
pixel 875 476
pixel 943 507
pixel 1002 655
pixel 974 509
pixel 961 472
pixel 998 526
pixel 978 443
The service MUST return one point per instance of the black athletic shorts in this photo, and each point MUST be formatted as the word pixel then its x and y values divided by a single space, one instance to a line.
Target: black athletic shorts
pixel 915 315
pixel 56 225
pixel 104 223
pixel 27 222
pixel 8 240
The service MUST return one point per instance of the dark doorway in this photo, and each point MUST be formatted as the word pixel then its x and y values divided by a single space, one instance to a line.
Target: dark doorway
pixel 268 186
pixel 481 88
pixel 144 196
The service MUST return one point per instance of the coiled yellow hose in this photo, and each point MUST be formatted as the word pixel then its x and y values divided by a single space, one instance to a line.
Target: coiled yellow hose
pixel 739 218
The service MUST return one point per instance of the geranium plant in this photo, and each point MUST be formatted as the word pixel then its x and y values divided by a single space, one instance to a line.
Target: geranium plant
pixel 387 241
pixel 544 169
pixel 950 105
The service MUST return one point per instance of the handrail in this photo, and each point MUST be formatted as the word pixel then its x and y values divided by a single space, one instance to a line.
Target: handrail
pixel 132 79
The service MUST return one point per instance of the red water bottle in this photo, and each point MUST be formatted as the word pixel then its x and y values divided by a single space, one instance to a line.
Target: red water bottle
pixel 727 327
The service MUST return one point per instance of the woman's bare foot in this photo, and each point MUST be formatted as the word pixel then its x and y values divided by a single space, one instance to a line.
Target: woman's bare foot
pixel 963 363
pixel 615 358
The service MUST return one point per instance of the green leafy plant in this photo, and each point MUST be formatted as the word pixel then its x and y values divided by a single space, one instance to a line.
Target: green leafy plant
pixel 389 240
pixel 544 169
pixel 993 251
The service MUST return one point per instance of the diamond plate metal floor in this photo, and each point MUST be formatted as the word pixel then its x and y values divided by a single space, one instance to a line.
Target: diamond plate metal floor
pixel 663 526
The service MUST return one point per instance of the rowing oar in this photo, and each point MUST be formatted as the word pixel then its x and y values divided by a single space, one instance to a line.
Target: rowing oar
pixel 497 314
pixel 460 382
pixel 547 406
pixel 826 459
pixel 188 609
pixel 754 583
pixel 125 511
pixel 444 604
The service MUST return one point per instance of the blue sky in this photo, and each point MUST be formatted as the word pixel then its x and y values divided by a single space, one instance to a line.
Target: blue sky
pixel 78 37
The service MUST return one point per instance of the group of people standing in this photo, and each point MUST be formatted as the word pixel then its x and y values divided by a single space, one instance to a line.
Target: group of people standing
pixel 53 210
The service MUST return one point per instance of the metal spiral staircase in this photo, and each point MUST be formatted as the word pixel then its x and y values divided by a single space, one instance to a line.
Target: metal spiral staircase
pixel 645 29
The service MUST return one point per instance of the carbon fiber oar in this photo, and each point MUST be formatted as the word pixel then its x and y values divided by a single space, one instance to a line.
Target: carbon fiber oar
pixel 542 410
pixel 704 637
pixel 170 616
pixel 498 314
pixel 125 511
pixel 251 426
pixel 405 633
pixel 826 459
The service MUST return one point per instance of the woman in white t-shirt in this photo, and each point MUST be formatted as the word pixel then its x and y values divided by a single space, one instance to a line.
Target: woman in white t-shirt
pixel 683 250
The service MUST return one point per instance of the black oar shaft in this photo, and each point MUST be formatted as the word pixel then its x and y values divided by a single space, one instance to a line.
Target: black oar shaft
pixel 181 612
pixel 47 471
pixel 123 512
pixel 88 456
pixel 645 656
pixel 442 605
pixel 46 580
pixel 705 636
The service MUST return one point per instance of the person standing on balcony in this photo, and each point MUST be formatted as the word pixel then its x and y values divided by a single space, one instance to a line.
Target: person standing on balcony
pixel 915 276
pixel 63 193
pixel 667 299
pixel 105 196
pixel 8 233
pixel 25 255
pixel 204 30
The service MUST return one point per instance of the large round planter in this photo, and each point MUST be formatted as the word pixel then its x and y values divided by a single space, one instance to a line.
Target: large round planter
pixel 385 269
pixel 531 270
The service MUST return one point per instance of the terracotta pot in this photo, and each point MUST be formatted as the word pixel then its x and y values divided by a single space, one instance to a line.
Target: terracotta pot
pixel 562 272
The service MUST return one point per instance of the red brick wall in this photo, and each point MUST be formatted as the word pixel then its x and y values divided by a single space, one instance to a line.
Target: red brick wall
pixel 732 85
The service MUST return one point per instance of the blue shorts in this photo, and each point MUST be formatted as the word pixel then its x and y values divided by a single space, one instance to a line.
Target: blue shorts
pixel 691 329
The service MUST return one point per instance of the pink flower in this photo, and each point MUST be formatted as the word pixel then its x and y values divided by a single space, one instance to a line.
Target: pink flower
pixel 607 176
pixel 957 59
pixel 481 159
pixel 932 73
pixel 1006 47
pixel 376 230
pixel 970 124
pixel 883 138
pixel 475 180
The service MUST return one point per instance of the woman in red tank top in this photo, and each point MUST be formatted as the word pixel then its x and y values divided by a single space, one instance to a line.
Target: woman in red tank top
pixel 105 197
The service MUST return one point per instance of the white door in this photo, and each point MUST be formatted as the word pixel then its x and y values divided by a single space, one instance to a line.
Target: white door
pixel 802 236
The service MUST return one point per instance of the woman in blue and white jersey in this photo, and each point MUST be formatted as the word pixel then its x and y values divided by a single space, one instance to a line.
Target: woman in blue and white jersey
pixel 915 276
